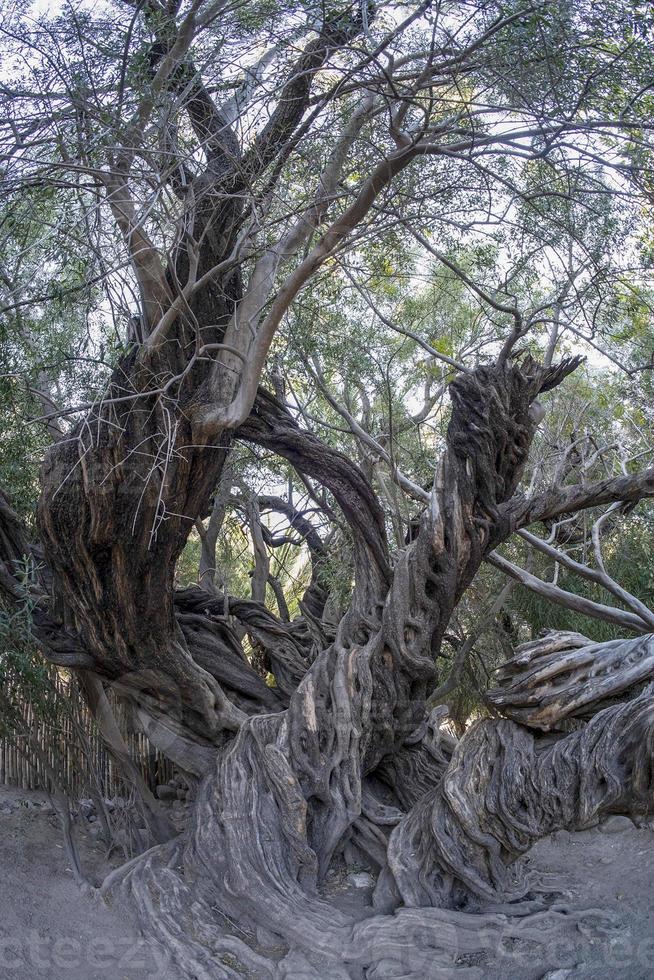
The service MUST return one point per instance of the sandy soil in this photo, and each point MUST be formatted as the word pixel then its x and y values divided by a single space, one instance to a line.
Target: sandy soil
pixel 49 929
pixel 610 868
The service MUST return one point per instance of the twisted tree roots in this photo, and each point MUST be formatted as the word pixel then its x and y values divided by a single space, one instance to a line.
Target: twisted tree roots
pixel 340 760
pixel 242 895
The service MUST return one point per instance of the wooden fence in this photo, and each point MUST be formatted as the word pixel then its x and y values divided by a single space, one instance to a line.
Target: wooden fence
pixel 72 746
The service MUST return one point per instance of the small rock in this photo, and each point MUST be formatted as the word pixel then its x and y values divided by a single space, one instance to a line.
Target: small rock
pixel 606 859
pixel 116 803
pixel 557 975
pixel 616 825
pixel 361 879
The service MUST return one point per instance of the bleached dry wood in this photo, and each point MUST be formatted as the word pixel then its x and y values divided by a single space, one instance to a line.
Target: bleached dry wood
pixel 565 675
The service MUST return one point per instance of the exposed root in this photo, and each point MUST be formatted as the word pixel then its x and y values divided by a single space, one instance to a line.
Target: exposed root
pixel 172 916
pixel 207 942
pixel 503 791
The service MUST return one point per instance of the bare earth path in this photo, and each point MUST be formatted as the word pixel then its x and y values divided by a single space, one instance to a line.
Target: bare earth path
pixel 49 929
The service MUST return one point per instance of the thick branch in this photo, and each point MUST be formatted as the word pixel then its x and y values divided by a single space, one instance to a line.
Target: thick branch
pixel 502 792
pixel 569 600
pixel 271 425
pixel 557 501
pixel 565 675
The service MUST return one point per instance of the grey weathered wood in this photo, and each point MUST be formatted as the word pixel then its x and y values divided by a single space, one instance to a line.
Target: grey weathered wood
pixel 564 676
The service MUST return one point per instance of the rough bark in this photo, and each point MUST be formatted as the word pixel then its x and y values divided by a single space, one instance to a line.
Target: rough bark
pixel 421 761
pixel 302 778
pixel 502 792
pixel 339 755
pixel 120 494
pixel 271 425
pixel 565 676
pixel 301 775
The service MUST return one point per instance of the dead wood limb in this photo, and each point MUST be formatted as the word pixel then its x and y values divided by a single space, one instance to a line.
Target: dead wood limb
pixel 565 675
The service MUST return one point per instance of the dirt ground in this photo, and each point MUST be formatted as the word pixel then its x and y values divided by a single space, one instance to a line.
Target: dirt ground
pixel 611 869
pixel 49 929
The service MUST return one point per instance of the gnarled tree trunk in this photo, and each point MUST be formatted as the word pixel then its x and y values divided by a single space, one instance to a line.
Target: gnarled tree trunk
pixel 341 757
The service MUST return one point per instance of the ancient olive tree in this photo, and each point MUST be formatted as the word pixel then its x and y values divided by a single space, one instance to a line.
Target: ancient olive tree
pixel 178 177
